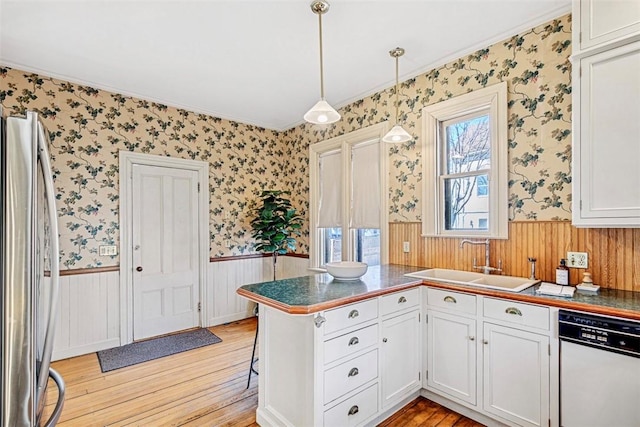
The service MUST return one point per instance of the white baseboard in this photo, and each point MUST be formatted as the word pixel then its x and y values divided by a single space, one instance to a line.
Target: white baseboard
pixel 85 349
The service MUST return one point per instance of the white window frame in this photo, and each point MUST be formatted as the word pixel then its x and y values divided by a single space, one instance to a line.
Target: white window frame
pixel 345 143
pixel 493 98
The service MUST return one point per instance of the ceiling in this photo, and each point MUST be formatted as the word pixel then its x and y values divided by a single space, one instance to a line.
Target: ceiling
pixel 255 62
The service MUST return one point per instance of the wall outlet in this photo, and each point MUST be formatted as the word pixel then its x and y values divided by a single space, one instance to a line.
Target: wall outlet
pixel 405 247
pixel 577 259
pixel 108 250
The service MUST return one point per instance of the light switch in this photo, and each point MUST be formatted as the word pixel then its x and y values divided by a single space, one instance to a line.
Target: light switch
pixel 108 250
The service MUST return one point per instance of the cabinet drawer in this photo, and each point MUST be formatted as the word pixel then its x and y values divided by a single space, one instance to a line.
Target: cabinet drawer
pixel 519 313
pixel 400 300
pixel 350 343
pixel 350 315
pixel 453 301
pixel 355 410
pixel 350 375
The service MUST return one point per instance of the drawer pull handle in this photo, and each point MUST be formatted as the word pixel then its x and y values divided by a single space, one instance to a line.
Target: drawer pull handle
pixel 354 341
pixel 353 314
pixel 450 299
pixel 514 311
pixel 402 300
pixel 353 410
pixel 353 372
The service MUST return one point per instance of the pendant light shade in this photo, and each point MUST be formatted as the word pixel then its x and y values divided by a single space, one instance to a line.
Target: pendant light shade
pixel 397 134
pixel 322 113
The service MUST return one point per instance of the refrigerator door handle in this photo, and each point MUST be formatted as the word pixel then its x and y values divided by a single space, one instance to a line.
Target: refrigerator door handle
pixel 55 415
pixel 55 257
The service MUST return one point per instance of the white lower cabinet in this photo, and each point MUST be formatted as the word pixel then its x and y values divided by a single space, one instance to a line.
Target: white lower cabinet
pixel 400 349
pixel 352 365
pixel 355 410
pixel 516 375
pixel 496 362
pixel 451 361
pixel 356 364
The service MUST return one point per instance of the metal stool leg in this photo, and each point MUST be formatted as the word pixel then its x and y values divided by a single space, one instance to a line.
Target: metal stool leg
pixel 253 353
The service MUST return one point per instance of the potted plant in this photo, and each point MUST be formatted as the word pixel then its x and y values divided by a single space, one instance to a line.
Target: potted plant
pixel 275 224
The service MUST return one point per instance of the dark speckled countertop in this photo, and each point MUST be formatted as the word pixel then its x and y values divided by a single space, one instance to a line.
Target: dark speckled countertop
pixel 310 294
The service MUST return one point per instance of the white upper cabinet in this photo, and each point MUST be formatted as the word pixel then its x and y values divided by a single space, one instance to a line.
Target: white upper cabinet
pixel 606 114
pixel 599 22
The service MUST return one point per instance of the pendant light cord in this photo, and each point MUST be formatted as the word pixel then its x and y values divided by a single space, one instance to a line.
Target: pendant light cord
pixel 397 95
pixel 321 57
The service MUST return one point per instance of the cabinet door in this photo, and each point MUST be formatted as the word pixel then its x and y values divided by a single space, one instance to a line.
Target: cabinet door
pixel 516 375
pixel 607 148
pixel 451 360
pixel 603 21
pixel 400 356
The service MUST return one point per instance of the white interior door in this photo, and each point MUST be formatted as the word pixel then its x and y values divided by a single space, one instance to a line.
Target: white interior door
pixel 165 250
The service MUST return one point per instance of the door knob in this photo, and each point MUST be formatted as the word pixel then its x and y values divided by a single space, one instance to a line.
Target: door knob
pixel 139 268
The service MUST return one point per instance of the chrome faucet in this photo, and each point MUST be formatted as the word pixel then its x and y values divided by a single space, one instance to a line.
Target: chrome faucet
pixel 486 268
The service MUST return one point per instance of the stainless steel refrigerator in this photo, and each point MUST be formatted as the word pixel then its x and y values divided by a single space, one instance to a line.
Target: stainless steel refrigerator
pixel 29 272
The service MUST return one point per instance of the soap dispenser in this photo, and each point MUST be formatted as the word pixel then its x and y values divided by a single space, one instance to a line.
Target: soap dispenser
pixel 562 273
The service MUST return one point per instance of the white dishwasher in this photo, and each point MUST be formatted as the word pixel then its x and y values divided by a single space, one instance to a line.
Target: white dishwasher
pixel 599 371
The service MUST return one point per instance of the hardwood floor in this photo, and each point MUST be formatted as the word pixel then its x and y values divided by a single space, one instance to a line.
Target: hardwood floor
pixel 201 387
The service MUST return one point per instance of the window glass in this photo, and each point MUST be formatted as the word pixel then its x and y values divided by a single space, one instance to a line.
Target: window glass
pixel 463 207
pixel 332 245
pixel 482 186
pixel 468 144
pixel 368 245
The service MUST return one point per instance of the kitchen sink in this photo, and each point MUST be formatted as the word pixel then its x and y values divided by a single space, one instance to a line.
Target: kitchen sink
pixel 470 278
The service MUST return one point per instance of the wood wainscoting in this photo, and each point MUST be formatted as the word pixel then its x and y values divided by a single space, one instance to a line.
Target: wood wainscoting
pixel 614 253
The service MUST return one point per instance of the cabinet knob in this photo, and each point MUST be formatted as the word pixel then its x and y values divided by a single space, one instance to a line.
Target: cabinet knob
pixel 354 341
pixel 353 372
pixel 402 300
pixel 353 314
pixel 353 410
pixel 384 340
pixel 514 311
pixel 139 268
pixel 485 342
pixel 450 299
pixel 472 338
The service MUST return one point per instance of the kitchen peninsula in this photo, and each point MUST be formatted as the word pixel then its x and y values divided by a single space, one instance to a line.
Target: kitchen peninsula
pixel 337 352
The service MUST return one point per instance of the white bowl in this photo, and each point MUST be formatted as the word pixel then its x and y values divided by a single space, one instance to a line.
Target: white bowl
pixel 346 270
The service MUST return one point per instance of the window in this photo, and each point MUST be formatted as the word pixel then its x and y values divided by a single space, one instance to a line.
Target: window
pixel 348 198
pixel 465 165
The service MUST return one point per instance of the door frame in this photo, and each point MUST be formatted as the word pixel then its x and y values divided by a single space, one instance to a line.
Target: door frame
pixel 126 162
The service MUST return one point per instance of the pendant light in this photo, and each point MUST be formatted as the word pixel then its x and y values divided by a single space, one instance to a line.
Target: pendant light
pixel 321 113
pixel 397 133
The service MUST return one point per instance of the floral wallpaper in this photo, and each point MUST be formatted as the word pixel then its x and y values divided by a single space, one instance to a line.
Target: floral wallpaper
pixel 536 67
pixel 88 127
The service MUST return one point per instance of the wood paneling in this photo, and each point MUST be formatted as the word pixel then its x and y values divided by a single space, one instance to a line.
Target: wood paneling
pixel 89 314
pixel 614 253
